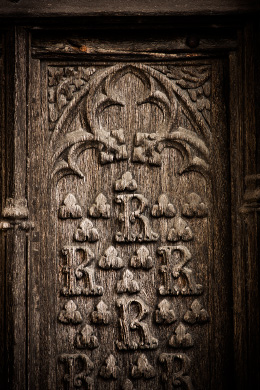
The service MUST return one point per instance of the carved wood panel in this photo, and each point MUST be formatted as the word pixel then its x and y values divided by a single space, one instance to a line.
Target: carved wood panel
pixel 130 232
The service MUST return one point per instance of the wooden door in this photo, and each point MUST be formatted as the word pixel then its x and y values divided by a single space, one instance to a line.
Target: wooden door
pixel 127 189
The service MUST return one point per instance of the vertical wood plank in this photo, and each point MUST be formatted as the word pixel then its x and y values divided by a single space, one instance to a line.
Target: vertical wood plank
pixel 15 206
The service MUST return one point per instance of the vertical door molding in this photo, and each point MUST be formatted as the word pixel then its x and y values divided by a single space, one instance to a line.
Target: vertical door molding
pixel 14 222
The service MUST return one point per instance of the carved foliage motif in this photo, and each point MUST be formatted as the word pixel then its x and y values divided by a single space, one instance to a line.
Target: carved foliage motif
pixel 94 96
pixel 165 314
pixel 127 284
pixel 86 232
pixel 180 231
pixel 194 207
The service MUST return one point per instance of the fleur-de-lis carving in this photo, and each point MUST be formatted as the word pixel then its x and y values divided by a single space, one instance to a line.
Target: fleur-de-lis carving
pixel 101 315
pixel 165 314
pixel 110 370
pixel 181 338
pixel 86 338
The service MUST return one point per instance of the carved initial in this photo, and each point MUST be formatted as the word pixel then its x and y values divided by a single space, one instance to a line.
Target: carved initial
pixel 129 323
pixel 79 279
pixel 128 217
pixel 177 367
pixel 78 367
pixel 177 279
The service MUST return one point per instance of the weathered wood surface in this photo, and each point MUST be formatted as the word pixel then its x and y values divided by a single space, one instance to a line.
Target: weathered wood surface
pixel 124 208
pixel 27 8
pixel 119 271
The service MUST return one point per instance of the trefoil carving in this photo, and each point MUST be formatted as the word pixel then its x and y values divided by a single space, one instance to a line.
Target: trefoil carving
pixel 126 183
pixel 111 260
pixel 100 208
pixel 127 284
pixel 180 231
pixel 196 314
pixel 142 259
pixel 86 232
pixel 70 208
pixel 163 208
pixel 194 207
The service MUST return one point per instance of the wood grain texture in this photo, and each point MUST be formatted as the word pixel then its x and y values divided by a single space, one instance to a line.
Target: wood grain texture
pixel 137 250
pixel 32 8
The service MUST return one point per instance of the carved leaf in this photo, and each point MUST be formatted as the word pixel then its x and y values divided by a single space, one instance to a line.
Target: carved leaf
pixel 143 369
pixel 163 208
pixel 180 231
pixel 101 315
pixel 100 208
pixel 126 183
pixel 110 370
pixel 70 315
pixel 86 232
pixel 127 284
pixel 142 259
pixel 194 207
pixel 196 314
pixel 165 314
pixel 180 338
pixel 110 260
pixel 70 208
pixel 86 338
